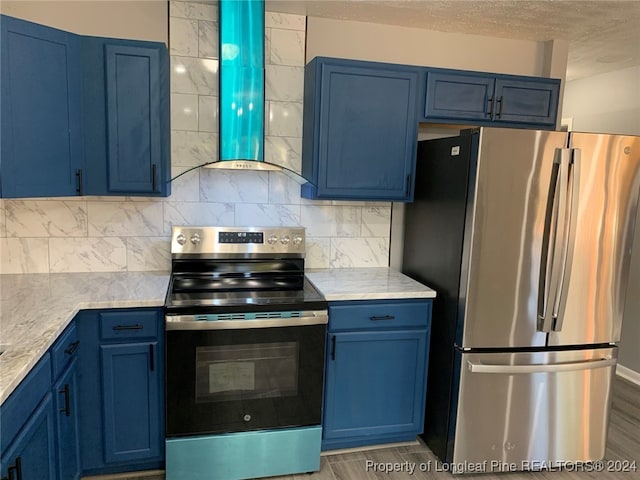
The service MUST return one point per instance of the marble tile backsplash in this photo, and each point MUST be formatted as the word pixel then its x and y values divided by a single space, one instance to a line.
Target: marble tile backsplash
pixel 111 234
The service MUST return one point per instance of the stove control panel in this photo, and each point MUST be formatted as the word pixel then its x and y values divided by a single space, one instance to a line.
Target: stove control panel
pixel 237 240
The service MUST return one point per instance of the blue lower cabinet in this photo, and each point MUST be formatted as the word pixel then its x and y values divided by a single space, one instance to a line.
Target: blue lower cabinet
pixel 376 374
pixel 65 391
pixel 32 455
pixel 121 390
pixel 131 389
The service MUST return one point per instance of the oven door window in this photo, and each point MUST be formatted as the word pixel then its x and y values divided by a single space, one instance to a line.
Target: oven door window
pixel 238 380
pixel 249 371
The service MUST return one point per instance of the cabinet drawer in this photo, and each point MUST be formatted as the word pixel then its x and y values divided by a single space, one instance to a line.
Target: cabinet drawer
pixel 64 350
pixel 128 325
pixel 381 315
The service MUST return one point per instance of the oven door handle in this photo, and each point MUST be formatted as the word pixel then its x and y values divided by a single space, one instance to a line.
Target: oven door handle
pixel 190 322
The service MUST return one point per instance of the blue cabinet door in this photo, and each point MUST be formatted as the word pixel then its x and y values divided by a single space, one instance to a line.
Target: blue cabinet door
pixel 131 389
pixel 134 118
pixel 41 149
pixel 360 130
pixel 32 455
pixel 66 402
pixel 126 117
pixel 459 96
pixel 530 101
pixel 375 386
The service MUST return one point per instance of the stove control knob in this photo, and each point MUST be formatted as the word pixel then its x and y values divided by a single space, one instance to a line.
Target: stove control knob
pixel 272 239
pixel 181 239
pixel 285 239
pixel 195 239
pixel 297 240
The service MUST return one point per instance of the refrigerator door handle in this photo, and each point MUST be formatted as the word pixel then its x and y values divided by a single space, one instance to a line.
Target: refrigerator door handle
pixel 571 217
pixel 547 284
pixel 546 368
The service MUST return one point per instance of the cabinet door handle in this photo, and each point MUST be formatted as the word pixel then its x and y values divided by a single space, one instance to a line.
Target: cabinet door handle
pixel 382 317
pixel 408 184
pixel 79 181
pixel 153 177
pixel 490 112
pixel 499 114
pixel 72 347
pixel 67 401
pixel 151 357
pixel 17 469
pixel 137 326
pixel 333 347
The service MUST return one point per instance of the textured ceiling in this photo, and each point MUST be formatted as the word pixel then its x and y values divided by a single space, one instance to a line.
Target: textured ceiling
pixel 603 35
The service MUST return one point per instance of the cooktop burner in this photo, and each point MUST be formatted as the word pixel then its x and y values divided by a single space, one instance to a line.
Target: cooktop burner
pixel 217 269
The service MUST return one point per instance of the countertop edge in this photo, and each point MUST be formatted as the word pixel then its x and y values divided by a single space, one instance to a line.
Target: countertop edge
pixel 37 354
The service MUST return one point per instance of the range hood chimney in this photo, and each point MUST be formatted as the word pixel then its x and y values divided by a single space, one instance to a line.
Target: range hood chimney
pixel 241 86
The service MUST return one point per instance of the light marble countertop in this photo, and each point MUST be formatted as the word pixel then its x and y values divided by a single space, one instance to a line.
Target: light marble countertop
pixel 366 284
pixel 36 308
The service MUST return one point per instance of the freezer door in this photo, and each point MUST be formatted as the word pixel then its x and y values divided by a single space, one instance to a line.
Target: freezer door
pixel 525 409
pixel 508 203
pixel 592 294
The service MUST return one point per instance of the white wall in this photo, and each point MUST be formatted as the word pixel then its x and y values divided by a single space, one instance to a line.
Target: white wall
pixel 610 103
pixel 413 46
pixel 140 20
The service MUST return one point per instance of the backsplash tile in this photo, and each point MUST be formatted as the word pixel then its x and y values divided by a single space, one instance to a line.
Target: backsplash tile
pixel 3 231
pixel 24 255
pixel 93 254
pixel 197 213
pixel 101 234
pixel 45 218
pixel 108 219
pixel 148 253
pixel 234 186
pixel 207 39
pixel 184 111
pixel 184 37
pixel 286 47
pixel 200 11
pixel 359 252
pixel 263 215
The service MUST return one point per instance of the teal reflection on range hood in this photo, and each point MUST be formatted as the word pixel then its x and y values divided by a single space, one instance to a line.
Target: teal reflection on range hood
pixel 241 144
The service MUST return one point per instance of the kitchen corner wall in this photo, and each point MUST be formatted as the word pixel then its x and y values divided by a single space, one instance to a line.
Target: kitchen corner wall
pixel 100 234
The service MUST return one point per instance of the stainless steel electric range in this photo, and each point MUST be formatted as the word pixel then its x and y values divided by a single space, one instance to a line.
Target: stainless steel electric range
pixel 245 344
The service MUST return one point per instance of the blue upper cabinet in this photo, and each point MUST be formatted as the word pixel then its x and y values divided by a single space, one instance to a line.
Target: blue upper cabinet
pixel 487 99
pixel 458 95
pixel 527 100
pixel 359 130
pixel 126 117
pixel 41 151
pixel 82 115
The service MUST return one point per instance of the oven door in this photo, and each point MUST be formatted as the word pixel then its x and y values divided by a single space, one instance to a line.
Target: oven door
pixel 239 375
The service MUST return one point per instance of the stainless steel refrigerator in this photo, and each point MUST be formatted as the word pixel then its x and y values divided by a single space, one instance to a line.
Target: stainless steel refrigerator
pixel 526 237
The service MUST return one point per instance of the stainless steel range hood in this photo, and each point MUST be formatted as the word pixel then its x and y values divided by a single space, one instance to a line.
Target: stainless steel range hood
pixel 241 86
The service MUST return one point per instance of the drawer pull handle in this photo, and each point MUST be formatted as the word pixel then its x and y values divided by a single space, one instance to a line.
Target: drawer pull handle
pixel 137 326
pixel 72 347
pixel 67 401
pixel 333 347
pixel 382 317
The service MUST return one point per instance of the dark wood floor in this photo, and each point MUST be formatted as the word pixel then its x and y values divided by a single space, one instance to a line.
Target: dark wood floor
pixel 623 446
